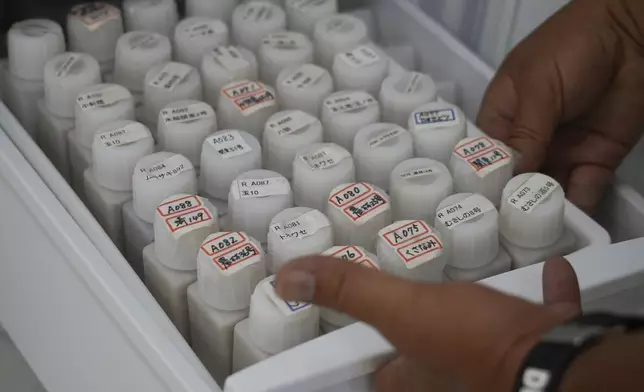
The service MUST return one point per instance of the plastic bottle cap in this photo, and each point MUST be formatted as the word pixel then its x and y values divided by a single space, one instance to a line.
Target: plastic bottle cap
pixel 231 264
pixel 157 177
pixel 345 113
pixel 437 128
pixel 246 105
pixel 220 9
pixel 167 83
pixel 94 28
pixel 302 15
pixel 318 169
pixel 481 165
pixel 158 16
pixel 297 232
pixel 254 20
pixel 255 198
pixel 532 211
pixel 66 75
pixel 98 105
pixel 352 254
pixel 226 155
pixel 181 223
pixel 336 34
pixel 304 87
pixel 183 127
pixel 285 134
pixel 403 93
pixel 282 50
pixel 363 68
pixel 417 186
pixel 276 325
pixel 197 35
pixel 412 250
pixel 117 148
pixel 358 211
pixel 30 44
pixel 469 227
pixel 224 65
pixel 378 149
pixel 136 53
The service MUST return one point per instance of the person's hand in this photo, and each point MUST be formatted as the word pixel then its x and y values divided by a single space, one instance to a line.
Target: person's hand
pixel 570 98
pixel 447 336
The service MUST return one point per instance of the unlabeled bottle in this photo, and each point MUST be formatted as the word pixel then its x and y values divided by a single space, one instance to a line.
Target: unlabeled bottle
pixel 532 220
pixel 157 16
pixel 362 68
pixel 282 50
pixel 220 9
pixel 196 36
pixel 344 113
pixel 302 15
pixel 304 87
pixel 136 53
pixel 246 105
pixel 402 93
pixel 224 65
pixel 336 34
pixel 254 20
pixel 412 250
pixel 437 128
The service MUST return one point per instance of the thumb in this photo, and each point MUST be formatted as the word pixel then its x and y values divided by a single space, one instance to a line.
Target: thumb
pixel 560 287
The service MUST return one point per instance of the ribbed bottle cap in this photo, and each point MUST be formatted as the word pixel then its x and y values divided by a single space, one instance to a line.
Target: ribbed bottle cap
pixel 378 149
pixel 469 225
pixel 230 264
pixel 276 325
pixel 136 53
pixel 158 16
pixel 157 177
pixel 94 28
pixel 417 186
pixel 403 93
pixel 302 15
pixel 532 211
pixel 345 113
pixel 336 34
pixel 297 232
pixel 362 68
pixel 246 105
pixel 66 75
pixel 282 50
pixel 254 20
pixel 197 35
pixel 304 87
pixel 285 134
pixel 117 147
pixel 412 250
pixel 437 128
pixel 181 223
pixel 30 44
pixel 224 65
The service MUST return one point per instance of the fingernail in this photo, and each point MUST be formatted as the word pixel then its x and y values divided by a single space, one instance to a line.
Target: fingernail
pixel 296 286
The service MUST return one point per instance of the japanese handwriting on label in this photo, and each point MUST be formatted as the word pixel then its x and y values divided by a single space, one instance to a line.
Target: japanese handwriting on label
pixel 105 97
pixel 385 137
pixel 533 192
pixel 230 58
pixel 288 308
pixel 229 144
pixel 285 41
pixel 483 155
pixel 250 97
pixel 185 114
pixel 292 122
pixel 362 56
pixel 128 134
pixel 413 242
pixel 171 76
pixel 307 75
pixel 189 220
pixel 167 168
pixel 427 171
pixel 352 254
pixel 231 251
pixel 432 119
pixel 264 187
pixel 349 102
pixel 94 15
pixel 464 211
pixel 326 157
pixel 64 68
pixel 421 251
pixel 301 227
pixel 364 209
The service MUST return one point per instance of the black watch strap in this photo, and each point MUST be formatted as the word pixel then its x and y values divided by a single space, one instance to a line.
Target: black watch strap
pixel 546 364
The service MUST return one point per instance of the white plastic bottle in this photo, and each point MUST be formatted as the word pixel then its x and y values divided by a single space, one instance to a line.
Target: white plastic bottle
pixel 344 113
pixel 362 68
pixel 437 128
pixel 224 65
pixel 196 36
pixel 282 50
pixel 246 105
pixel 157 16
pixel 302 15
pixel 253 20
pixel 402 93
pixel 304 87
pixel 335 34
pixel 220 9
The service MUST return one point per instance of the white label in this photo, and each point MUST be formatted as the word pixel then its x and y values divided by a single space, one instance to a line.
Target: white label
pixel 94 15
pixel 304 77
pixel 412 241
pixel 171 75
pixel 105 97
pixel 229 144
pixel 143 41
pixel 304 5
pixel 533 192
pixel 433 119
pixel 427 171
pixel 231 252
pixel 385 137
pixel 290 123
pixel 350 102
pixel 326 157
pixel 464 211
pixel 190 113
pixel 301 227
pixel 261 187
pixel 176 206
pixel 352 254
pixel 258 12
pixel 67 65
pixel 362 56
pixel 410 83
pixel 286 41
pixel 288 308
pixel 186 222
pixel 123 136
pixel 167 168
pixel 401 233
pixel 420 251
pixel 205 29
pixel 359 202
pixel 230 58
pixel 250 97
pixel 483 155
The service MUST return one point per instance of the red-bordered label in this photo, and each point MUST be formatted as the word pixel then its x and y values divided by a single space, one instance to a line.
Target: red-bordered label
pixel 474 147
pixel 419 248
pixel 223 242
pixel 176 206
pixel 188 219
pixel 367 262
pixel 488 159
pixel 349 194
pixel 243 89
pixel 235 256
pixel 406 233
pixel 365 208
pixel 348 253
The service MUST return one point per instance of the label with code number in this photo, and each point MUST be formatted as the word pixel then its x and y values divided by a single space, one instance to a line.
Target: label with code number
pixel 67 65
pixel 291 122
pixel 261 187
pixel 349 102
pixel 362 56
pixel 305 76
pixel 231 251
pixel 230 58
pixel 326 157
pixel 464 211
pixel 533 192
pixel 483 155
pixel 229 144
pixel 301 227
pixel 179 205
pixel 433 119
pixel 189 221
pixel 403 232
pixel 427 171
pixel 359 202
pixel 206 29
pixel 413 242
pixel 171 75
pixel 288 308
pixel 185 114
pixel 168 168
pixel 105 97
pixel 385 137
pixel 286 41
pixel 353 254
pixel 128 134
pixel 250 97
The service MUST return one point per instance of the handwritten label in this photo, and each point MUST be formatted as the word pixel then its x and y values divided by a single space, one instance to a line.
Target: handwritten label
pixel 179 205
pixel 231 251
pixel 413 242
pixel 533 192
pixel 326 157
pixel 128 134
pixel 359 202
pixel 94 15
pixel 261 187
pixel 433 119
pixel 102 98
pixel 168 168
pixel 186 114
pixel 143 41
pixel 427 171
pixel 410 83
pixel 301 227
pixel 229 144
pixel 171 76
pixel 288 308
pixel 230 58
pixel 189 221
pixel 250 97
pixel 362 56
pixel 421 251
pixel 385 137
pixel 349 102
pixel 286 41
pixel 353 254
pixel 205 29
pixel 403 232
pixel 464 211
pixel 63 69
pixel 483 155
pixel 306 76
pixel 290 123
